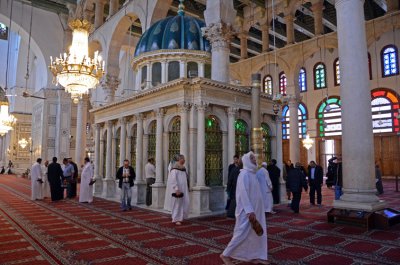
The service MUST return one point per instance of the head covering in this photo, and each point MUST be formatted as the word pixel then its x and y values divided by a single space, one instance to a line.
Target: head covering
pixel 264 164
pixel 247 164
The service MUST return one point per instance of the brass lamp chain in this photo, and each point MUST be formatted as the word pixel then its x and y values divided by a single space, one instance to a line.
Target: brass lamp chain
pixel 8 43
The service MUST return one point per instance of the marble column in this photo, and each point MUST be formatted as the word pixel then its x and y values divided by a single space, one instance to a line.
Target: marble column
pixel 98 185
pixel 1 149
pixel 201 201
pixel 99 13
pixel 294 142
pixel 256 131
pixel 114 6
pixel 109 181
pixel 182 69
pixel 201 69
pixel 184 144
pixel 289 21
pixel 317 9
pixel 149 77
pixel 231 131
pixel 139 190
pixel 243 45
pixel 138 82
pixel 192 146
pixel 357 144
pixel 80 139
pixel 158 188
pixel 164 73
pixel 128 148
pixel 109 84
pixel 265 36
pixel 279 158
pixel 122 142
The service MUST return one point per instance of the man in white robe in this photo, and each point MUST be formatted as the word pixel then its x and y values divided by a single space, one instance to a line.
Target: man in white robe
pixel 245 244
pixel 37 180
pixel 266 187
pixel 86 187
pixel 46 184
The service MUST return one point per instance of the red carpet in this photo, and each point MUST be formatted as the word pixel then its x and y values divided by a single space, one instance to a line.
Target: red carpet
pixel 42 232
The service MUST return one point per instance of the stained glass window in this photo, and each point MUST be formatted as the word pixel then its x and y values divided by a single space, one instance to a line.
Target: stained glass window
pixel 241 137
pixel 3 32
pixel 337 72
pixel 302 112
pixel 174 138
pixel 303 80
pixel 282 83
pixel 266 142
pixel 213 150
pixel 152 136
pixel 390 63
pixel 385 106
pixel 319 76
pixel 268 85
pixel 133 145
pixel 330 117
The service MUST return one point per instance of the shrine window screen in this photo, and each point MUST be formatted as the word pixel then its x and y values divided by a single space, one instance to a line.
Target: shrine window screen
pixel 330 117
pixel 174 138
pixel 282 83
pixel 266 133
pixel 319 76
pixel 133 145
pixel 152 136
pixel 390 63
pixel 302 112
pixel 303 80
pixel 241 137
pixel 385 107
pixel 213 149
pixel 336 73
pixel 268 85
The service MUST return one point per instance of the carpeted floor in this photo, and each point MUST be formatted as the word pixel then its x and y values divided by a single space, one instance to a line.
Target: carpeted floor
pixel 42 232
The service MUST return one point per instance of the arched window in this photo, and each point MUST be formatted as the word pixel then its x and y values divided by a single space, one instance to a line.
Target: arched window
pixel 282 83
pixel 330 117
pixel 192 70
pixel 241 137
pixel 173 70
pixel 319 76
pixel 303 80
pixel 336 73
pixel 213 166
pixel 174 138
pixel 267 150
pixel 151 148
pixel 156 74
pixel 302 111
pixel 133 145
pixel 268 85
pixel 390 63
pixel 385 105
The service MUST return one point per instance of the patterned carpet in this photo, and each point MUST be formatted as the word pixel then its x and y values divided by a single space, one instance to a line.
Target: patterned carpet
pixel 42 232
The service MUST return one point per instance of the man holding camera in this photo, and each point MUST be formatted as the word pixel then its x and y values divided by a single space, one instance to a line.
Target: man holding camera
pixel 126 176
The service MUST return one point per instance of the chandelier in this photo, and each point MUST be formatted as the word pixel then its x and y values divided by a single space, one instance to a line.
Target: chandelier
pixel 76 71
pixel 7 121
pixel 308 142
pixel 23 143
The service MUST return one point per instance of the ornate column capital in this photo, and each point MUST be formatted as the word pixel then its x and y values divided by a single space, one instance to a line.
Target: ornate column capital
pixel 265 27
pixel 160 112
pixel 201 106
pixel 109 124
pixel 123 120
pixel 110 82
pixel 219 34
pixel 291 99
pixel 184 107
pixel 232 111
pixel 140 117
pixel 97 126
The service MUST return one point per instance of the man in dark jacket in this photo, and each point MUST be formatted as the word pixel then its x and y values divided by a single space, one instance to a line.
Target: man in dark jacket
pixel 337 177
pixel 315 181
pixel 275 175
pixel 74 179
pixel 296 182
pixel 231 188
pixel 55 175
pixel 126 176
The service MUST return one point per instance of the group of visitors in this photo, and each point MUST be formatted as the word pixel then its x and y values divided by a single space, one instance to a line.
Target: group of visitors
pixel 51 179
pixel 7 170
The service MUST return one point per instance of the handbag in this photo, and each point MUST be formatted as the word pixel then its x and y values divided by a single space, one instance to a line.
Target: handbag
pixel 257 227
pixel 177 196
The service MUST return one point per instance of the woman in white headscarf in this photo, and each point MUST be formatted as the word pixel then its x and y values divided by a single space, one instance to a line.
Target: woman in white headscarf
pixel 245 244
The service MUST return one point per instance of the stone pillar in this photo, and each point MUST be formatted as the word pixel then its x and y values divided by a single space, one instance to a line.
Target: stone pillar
pixel 184 146
pixel 109 84
pixel 1 149
pixel 231 131
pixel 98 185
pixel 201 69
pixel 158 188
pixel 81 119
pixel 243 45
pixel 182 69
pixel 149 77
pixel 192 146
pixel 294 142
pixel 392 5
pixel 357 144
pixel 256 131
pixel 201 201
pixel 114 6
pixel 219 35
pixel 164 73
pixel 109 181
pixel 99 13
pixel 289 21
pixel 265 36
pixel 139 190
pixel 279 157
pixel 122 142
pixel 128 148
pixel 317 9
pixel 138 83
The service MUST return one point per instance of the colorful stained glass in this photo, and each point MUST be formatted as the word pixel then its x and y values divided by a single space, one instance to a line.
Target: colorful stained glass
pixel 319 76
pixel 282 83
pixel 174 137
pixel 267 150
pixel 384 111
pixel 213 142
pixel 302 80
pixel 152 136
pixel 268 85
pixel 337 72
pixel 303 116
pixel 241 137
pixel 330 118
pixel 390 62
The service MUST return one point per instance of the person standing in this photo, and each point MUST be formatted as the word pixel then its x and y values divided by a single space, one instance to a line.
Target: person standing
pixel 378 180
pixel 338 177
pixel 330 172
pixel 234 164
pixel 68 174
pixel 74 179
pixel 55 176
pixel 266 187
pixel 246 244
pixel 46 185
pixel 297 181
pixel 177 188
pixel 286 169
pixel 150 173
pixel 126 176
pixel 37 180
pixel 231 189
pixel 315 181
pixel 275 175
pixel 86 187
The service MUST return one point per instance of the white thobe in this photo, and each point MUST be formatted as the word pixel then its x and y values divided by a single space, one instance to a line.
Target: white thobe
pixel 46 184
pixel 245 245
pixel 36 173
pixel 86 190
pixel 177 180
pixel 266 188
